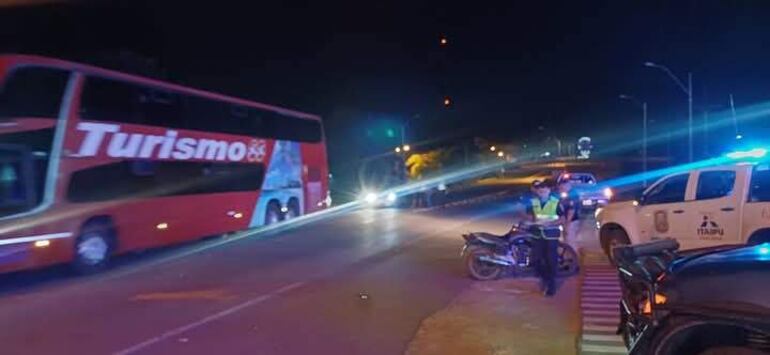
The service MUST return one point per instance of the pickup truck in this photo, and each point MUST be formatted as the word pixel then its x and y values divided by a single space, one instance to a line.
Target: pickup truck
pixel 728 204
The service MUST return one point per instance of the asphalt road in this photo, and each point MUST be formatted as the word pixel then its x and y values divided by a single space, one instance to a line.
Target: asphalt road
pixel 359 283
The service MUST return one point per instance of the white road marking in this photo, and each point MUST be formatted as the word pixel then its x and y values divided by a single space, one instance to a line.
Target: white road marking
pixel 602 288
pixel 602 320
pixel 601 294
pixel 612 349
pixel 602 275
pixel 595 282
pixel 177 331
pixel 614 279
pixel 600 337
pixel 34 238
pixel 600 328
pixel 603 305
pixel 600 312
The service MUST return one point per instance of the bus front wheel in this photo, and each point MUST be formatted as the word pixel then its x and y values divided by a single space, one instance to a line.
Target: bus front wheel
pixel 93 247
pixel 273 214
pixel 292 209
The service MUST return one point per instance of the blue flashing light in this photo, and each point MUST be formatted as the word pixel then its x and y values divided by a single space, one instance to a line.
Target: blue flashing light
pixel 764 249
pixel 738 136
pixel 753 153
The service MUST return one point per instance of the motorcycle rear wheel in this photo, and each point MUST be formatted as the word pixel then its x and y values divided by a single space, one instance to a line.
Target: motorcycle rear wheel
pixel 481 270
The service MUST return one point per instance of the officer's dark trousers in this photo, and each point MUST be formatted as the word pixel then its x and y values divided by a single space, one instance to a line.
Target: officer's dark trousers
pixel 547 260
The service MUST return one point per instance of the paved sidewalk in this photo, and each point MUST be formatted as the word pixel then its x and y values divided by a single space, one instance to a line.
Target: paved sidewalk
pixel 504 317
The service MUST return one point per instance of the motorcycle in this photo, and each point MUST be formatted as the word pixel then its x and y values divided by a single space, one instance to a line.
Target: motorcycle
pixel 640 269
pixel 488 256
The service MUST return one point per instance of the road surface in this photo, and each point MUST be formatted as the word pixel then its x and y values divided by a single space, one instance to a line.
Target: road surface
pixel 351 284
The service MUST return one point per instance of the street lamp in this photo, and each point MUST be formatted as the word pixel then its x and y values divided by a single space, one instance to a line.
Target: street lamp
pixel 644 132
pixel 406 148
pixel 398 149
pixel 500 154
pixel 492 148
pixel 688 91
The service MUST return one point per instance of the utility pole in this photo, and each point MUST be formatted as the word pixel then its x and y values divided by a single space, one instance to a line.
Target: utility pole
pixel 644 132
pixel 735 119
pixel 644 143
pixel 688 91
pixel 706 133
pixel 689 118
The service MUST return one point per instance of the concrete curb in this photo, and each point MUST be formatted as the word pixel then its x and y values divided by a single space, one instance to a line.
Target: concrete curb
pixel 473 200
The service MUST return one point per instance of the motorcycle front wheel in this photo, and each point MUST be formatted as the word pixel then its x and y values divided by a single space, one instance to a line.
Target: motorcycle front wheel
pixel 479 269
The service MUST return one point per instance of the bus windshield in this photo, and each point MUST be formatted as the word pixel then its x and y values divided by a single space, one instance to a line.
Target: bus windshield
pixel 29 106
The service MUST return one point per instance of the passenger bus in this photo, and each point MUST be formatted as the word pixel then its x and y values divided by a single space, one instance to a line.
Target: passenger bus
pixel 95 163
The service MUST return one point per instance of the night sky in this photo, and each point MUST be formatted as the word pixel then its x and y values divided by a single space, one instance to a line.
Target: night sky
pixel 509 67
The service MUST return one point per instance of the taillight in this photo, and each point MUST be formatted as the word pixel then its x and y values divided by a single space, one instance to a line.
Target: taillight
pixel 647 306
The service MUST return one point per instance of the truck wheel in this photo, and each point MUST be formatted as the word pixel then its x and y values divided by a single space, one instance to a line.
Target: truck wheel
pixel 93 247
pixel 613 238
pixel 759 237
pixel 732 350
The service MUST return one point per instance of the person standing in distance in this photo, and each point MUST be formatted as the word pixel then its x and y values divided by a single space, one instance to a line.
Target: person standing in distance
pixel 569 210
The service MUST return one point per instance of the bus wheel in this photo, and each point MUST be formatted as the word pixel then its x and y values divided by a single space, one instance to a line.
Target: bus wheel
pixel 273 213
pixel 93 248
pixel 292 210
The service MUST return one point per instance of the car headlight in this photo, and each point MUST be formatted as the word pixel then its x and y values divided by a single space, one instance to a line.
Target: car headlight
pixel 608 193
pixel 391 197
pixel 369 197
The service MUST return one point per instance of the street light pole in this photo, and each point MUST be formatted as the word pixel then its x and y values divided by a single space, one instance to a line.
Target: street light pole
pixel 644 133
pixel 688 91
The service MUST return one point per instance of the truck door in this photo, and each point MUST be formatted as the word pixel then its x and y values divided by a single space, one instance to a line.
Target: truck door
pixel 756 211
pixel 713 216
pixel 662 210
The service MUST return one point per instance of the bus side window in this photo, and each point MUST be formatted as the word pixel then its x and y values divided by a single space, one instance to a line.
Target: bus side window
pixel 163 108
pixel 111 100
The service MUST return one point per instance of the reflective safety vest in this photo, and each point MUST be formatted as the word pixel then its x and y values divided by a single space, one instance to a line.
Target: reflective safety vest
pixel 547 212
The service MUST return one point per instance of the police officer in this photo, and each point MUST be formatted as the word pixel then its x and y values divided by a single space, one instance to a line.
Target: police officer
pixel 543 209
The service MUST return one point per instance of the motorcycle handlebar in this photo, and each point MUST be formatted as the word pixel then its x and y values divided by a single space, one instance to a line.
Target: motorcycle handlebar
pixel 632 252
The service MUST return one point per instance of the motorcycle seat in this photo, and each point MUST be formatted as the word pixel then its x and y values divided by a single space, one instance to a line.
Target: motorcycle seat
pixel 497 239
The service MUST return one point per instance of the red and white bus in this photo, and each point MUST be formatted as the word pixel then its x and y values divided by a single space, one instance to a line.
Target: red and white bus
pixel 95 163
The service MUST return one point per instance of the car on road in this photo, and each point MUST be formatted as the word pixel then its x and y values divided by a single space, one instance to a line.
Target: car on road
pixel 584 184
pixel 726 204
pixel 705 301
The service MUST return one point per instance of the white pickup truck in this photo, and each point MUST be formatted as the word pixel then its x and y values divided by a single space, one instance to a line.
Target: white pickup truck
pixel 727 204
